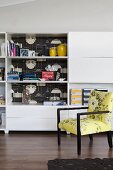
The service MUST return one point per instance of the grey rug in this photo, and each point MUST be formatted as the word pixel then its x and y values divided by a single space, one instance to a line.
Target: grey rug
pixel 81 164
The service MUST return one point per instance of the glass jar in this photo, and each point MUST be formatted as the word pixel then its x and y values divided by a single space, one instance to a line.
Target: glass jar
pixel 62 50
pixel 53 51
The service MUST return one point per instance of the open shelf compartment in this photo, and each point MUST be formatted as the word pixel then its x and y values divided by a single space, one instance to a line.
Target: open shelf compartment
pixel 54 94
pixel 37 69
pixel 36 44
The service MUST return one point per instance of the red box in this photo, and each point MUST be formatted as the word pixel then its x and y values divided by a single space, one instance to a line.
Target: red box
pixel 48 75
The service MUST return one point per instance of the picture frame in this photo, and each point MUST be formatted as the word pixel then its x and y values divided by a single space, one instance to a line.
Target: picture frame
pixel 24 52
pixel 31 53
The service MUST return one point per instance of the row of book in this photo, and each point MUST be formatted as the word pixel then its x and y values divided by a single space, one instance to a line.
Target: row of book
pixel 13 49
pixel 81 96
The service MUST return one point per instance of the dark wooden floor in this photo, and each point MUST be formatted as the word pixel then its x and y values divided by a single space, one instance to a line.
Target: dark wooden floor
pixel 31 151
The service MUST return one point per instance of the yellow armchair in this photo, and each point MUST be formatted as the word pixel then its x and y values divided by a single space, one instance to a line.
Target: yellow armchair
pixel 98 118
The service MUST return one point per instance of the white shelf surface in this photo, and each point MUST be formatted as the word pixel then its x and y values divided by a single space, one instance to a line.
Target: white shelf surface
pixel 34 105
pixel 2 128
pixel 39 105
pixel 2 106
pixel 84 82
pixel 37 57
pixel 36 81
pixel 2 81
pixel 2 57
pixel 77 106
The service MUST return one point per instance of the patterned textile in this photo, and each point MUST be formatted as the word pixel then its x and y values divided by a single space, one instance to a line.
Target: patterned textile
pixel 101 101
pixel 87 126
pixel 94 123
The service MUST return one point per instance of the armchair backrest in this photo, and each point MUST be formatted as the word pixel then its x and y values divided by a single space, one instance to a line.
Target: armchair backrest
pixel 101 101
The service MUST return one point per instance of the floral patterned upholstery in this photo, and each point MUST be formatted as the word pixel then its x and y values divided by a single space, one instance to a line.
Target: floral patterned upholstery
pixel 94 123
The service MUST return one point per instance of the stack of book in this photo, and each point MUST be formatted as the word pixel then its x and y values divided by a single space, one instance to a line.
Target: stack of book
pixel 86 93
pixel 76 96
pixel 13 76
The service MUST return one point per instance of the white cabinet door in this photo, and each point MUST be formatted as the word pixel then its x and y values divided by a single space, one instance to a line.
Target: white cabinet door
pixel 91 70
pixel 112 124
pixel 32 118
pixel 31 123
pixel 90 44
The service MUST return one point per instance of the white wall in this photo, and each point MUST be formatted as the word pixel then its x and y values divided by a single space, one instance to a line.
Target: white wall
pixel 12 2
pixel 58 16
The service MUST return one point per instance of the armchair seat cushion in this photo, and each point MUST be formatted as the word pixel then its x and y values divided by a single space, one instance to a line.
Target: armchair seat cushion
pixel 87 126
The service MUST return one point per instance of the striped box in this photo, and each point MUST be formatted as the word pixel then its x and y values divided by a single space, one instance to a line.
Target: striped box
pixel 76 96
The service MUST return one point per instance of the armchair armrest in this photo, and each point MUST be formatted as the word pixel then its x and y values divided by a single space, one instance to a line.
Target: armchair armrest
pixel 67 108
pixel 86 113
pixel 90 113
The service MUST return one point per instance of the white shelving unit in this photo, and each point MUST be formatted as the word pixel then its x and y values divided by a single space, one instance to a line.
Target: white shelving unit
pixel 21 116
pixel 38 57
pixel 91 58
pixel 88 65
pixel 36 81
pixel 2 81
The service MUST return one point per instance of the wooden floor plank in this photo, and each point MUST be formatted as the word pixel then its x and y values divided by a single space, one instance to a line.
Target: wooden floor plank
pixel 31 151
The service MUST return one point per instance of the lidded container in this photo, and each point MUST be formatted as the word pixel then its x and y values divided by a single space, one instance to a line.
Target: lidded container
pixel 53 51
pixel 62 50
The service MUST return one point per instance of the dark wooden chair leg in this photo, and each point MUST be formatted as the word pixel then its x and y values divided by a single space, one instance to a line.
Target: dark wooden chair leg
pixel 58 129
pixel 59 137
pixel 91 137
pixel 109 137
pixel 78 135
pixel 79 144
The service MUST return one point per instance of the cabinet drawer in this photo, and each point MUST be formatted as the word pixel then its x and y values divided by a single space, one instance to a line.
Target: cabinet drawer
pixel 91 70
pixel 32 118
pixel 31 124
pixel 91 44
pixel 34 111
